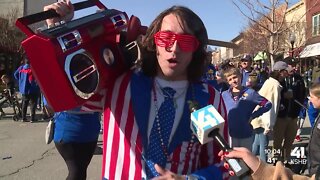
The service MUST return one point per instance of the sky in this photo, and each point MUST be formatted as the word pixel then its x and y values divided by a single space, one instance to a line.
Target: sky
pixel 221 18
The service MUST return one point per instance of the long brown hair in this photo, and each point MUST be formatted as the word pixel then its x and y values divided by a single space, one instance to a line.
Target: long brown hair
pixel 189 20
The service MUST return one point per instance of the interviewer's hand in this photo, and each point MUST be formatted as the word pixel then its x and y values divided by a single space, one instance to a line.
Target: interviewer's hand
pixel 243 153
pixel 64 8
pixel 166 174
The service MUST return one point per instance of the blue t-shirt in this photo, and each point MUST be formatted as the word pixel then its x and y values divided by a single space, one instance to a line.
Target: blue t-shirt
pixel 240 111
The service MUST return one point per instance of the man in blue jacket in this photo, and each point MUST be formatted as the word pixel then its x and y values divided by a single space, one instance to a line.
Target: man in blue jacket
pixel 28 88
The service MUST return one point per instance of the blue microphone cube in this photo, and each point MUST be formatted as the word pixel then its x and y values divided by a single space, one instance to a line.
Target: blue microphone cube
pixel 204 120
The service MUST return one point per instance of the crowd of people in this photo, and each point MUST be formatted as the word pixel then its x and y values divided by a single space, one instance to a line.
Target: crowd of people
pixel 147 132
pixel 291 103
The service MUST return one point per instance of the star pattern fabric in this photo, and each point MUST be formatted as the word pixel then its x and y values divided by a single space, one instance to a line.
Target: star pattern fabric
pixel 160 133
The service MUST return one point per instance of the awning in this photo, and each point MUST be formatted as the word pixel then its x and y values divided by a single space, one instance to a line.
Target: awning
pixel 260 56
pixel 310 50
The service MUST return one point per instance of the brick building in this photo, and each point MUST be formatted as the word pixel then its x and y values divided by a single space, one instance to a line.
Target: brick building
pixel 312 48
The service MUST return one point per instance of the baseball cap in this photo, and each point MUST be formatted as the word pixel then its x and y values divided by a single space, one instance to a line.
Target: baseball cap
pixel 246 57
pixel 280 65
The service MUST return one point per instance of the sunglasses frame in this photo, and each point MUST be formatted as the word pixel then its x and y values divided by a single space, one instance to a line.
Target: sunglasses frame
pixel 186 42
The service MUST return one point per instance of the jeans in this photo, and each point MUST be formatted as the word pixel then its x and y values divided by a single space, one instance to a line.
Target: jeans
pixel 260 144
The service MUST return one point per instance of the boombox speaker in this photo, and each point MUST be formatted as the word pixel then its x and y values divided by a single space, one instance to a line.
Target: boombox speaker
pixel 73 61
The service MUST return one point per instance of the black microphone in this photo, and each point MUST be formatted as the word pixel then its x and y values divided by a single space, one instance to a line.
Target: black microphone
pixel 206 124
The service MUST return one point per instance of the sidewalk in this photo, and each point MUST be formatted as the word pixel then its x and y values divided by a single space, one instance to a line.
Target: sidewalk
pixel 24 154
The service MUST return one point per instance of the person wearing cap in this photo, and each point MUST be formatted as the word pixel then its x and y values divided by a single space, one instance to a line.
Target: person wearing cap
pixel 285 127
pixel 263 125
pixel 296 83
pixel 248 73
pixel 246 69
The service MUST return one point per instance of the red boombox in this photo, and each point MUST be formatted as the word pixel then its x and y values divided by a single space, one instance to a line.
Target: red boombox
pixel 74 60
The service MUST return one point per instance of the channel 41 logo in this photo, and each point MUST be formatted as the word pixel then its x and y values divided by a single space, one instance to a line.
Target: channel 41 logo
pixel 298 155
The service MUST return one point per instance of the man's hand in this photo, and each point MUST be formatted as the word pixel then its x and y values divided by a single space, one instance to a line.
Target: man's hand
pixel 64 8
pixel 166 174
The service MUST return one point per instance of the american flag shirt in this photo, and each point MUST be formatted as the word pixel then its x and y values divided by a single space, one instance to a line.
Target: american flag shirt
pixel 125 136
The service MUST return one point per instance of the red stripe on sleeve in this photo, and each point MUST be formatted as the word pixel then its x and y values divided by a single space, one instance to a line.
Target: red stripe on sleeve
pixel 263 102
pixel 106 121
pixel 116 133
pixel 127 143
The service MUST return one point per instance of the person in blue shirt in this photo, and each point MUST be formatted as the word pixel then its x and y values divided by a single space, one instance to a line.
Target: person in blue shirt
pixel 312 113
pixel 209 76
pixel 241 102
pixel 28 88
pixel 75 137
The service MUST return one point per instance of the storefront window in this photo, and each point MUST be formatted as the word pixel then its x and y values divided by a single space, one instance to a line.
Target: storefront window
pixel 316 25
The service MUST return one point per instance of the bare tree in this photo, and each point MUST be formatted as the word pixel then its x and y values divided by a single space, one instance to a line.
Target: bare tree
pixel 10 36
pixel 268 28
pixel 254 39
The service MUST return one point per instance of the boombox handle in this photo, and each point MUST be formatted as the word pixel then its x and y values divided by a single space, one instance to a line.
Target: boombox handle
pixel 23 22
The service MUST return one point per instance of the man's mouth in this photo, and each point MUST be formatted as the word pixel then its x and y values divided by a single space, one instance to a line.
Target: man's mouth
pixel 172 61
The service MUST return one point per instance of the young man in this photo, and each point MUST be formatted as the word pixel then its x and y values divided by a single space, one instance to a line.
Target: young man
pixel 241 102
pixel 141 139
pixel 314 145
pixel 285 127
pixel 262 125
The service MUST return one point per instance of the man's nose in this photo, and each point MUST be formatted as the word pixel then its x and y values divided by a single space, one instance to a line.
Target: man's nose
pixel 175 47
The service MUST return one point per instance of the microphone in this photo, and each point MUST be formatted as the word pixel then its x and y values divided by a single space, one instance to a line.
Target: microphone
pixel 206 125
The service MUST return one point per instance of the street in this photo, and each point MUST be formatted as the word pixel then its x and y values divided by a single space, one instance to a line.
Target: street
pixel 24 154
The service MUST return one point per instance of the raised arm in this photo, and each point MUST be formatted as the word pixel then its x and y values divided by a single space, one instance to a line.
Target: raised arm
pixel 64 8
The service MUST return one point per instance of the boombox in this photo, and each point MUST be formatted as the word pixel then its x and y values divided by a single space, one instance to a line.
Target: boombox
pixel 73 61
